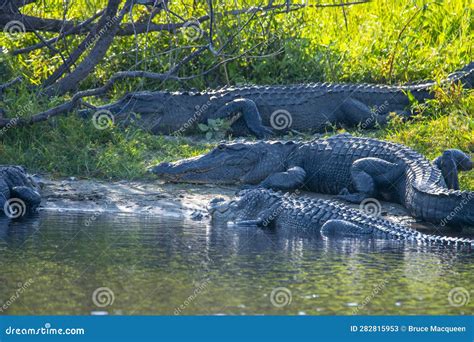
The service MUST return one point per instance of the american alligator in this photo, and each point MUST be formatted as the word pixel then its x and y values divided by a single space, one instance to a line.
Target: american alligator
pixel 18 192
pixel 264 110
pixel 269 209
pixel 355 168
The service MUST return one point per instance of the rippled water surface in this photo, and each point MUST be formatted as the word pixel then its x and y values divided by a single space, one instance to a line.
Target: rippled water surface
pixel 83 264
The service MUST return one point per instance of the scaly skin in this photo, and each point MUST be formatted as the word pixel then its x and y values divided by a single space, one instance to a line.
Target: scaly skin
pixel 16 185
pixel 351 167
pixel 274 109
pixel 266 208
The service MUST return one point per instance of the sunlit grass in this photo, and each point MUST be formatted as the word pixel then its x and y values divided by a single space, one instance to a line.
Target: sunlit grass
pixel 384 42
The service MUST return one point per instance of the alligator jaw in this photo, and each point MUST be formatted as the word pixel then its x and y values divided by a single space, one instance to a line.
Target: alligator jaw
pixel 185 171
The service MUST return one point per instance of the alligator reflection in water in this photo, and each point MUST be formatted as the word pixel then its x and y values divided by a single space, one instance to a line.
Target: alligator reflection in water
pixel 154 265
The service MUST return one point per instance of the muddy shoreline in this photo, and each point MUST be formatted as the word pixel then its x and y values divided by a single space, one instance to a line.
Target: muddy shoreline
pixel 155 198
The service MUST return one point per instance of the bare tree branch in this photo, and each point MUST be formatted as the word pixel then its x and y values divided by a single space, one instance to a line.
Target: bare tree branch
pixel 9 84
pixel 55 25
pixel 77 98
pixel 78 29
pixel 107 19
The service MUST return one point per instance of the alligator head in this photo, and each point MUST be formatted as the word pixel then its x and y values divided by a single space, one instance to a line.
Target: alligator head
pixel 247 205
pixel 231 163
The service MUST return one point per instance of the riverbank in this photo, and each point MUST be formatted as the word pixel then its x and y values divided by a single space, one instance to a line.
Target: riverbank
pixel 155 198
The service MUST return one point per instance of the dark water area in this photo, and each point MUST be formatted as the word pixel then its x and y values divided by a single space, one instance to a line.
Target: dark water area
pixel 58 263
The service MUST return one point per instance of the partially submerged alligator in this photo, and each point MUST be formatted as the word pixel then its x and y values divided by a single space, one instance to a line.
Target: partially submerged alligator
pixel 266 208
pixel 264 110
pixel 355 168
pixel 18 192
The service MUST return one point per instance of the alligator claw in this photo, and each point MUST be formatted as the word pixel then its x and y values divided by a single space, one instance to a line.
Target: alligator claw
pixel 356 198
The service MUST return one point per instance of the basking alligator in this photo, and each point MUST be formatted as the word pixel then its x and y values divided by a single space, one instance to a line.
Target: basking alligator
pixel 18 192
pixel 355 168
pixel 302 108
pixel 266 208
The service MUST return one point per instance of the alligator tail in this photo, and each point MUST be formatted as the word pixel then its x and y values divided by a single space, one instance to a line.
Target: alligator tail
pixel 443 206
pixel 400 232
pixel 464 75
pixel 422 89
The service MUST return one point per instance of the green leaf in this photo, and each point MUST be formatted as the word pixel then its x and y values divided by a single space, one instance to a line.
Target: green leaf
pixel 411 98
pixel 209 135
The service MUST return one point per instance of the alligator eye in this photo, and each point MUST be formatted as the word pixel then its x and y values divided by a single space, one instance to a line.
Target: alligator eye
pixel 221 146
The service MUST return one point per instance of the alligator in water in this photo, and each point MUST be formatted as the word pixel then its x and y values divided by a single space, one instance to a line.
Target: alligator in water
pixel 18 192
pixel 355 168
pixel 265 110
pixel 267 208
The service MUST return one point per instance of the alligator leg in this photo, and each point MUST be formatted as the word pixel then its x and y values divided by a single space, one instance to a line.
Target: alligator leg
pixel 450 163
pixel 291 179
pixel 357 113
pixel 31 197
pixel 247 109
pixel 344 228
pixel 369 176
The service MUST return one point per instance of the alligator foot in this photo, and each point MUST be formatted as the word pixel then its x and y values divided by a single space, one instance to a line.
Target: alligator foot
pixel 450 163
pixel 351 197
pixel 291 179
pixel 247 109
pixel 28 195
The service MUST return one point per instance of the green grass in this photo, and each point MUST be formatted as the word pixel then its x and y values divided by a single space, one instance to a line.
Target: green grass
pixel 385 42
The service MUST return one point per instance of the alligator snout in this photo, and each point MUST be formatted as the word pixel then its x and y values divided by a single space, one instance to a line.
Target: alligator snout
pixel 160 168
pixel 217 204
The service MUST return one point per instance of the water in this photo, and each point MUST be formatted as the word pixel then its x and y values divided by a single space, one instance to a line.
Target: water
pixel 56 264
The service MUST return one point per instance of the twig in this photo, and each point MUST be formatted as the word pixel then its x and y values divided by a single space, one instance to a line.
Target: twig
pixel 76 29
pixel 10 83
pixel 392 58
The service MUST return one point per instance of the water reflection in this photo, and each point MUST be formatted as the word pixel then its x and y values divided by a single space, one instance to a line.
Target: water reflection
pixel 153 264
